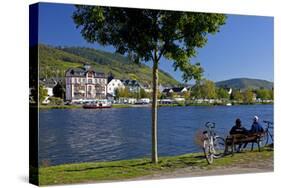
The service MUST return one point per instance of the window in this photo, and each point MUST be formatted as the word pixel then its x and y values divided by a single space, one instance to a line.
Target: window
pixel 90 81
pixel 90 74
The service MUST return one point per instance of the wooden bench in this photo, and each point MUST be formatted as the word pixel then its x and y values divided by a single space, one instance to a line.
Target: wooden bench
pixel 240 139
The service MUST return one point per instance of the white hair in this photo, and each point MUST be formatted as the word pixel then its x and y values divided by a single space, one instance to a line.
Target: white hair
pixel 256 118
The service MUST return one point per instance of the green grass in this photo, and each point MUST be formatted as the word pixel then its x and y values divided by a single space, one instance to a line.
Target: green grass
pixel 126 169
pixel 169 105
pixel 121 106
pixel 43 107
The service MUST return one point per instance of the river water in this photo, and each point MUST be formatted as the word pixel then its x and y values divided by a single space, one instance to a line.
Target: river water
pixel 84 135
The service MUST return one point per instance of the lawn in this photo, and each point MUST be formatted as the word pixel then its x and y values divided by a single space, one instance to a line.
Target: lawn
pixel 130 169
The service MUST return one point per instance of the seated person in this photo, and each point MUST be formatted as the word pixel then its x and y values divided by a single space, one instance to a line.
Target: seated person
pixel 238 128
pixel 256 127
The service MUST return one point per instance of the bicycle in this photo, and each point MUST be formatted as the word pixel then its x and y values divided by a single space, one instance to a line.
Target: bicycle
pixel 213 145
pixel 268 134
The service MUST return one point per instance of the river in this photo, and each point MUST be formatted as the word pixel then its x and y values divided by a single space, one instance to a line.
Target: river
pixel 88 135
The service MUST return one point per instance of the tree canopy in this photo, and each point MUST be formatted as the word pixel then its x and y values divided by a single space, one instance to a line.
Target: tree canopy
pixel 147 35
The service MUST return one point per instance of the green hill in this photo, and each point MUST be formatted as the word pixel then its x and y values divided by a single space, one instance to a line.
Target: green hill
pixel 54 61
pixel 245 83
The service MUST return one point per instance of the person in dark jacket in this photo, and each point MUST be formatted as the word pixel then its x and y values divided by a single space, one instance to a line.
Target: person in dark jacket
pixel 238 128
pixel 256 127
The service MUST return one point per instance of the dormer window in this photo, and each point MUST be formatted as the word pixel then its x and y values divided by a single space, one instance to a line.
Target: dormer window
pixel 87 66
pixel 90 74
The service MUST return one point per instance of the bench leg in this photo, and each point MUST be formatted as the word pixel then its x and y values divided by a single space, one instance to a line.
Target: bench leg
pixel 232 148
pixel 252 146
pixel 259 145
pixel 225 149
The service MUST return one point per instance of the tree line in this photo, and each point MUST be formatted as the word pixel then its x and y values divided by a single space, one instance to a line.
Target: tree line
pixel 206 89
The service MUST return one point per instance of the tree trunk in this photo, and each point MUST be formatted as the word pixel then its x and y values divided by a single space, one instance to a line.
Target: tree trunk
pixel 154 112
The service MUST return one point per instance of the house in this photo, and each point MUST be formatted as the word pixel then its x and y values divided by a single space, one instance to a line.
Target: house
pixel 161 88
pixel 147 88
pixel 113 84
pixel 49 84
pixel 175 90
pixel 85 83
pixel 133 85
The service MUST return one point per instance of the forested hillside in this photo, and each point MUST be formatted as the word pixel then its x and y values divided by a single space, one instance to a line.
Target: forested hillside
pixel 54 61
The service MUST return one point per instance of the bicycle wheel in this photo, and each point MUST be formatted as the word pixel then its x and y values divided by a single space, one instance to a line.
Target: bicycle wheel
pixel 208 151
pixel 264 140
pixel 219 147
pixel 270 134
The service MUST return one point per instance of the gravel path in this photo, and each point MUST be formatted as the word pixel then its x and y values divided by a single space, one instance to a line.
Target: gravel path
pixel 255 166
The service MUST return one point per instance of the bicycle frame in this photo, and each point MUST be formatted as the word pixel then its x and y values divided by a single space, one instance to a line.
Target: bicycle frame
pixel 267 128
pixel 209 142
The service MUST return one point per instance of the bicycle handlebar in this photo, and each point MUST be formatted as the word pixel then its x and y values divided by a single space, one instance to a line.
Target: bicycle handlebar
pixel 210 124
pixel 268 122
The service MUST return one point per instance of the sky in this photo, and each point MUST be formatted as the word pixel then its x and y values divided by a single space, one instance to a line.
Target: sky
pixel 242 48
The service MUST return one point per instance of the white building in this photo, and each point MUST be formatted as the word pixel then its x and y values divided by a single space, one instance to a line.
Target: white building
pixel 114 84
pixel 85 83
pixel 176 90
pixel 48 84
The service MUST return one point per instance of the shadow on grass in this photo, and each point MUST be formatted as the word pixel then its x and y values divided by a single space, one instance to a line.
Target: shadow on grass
pixel 113 166
pixel 199 157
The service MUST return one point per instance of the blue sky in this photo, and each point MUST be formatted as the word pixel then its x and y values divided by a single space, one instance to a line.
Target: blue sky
pixel 242 48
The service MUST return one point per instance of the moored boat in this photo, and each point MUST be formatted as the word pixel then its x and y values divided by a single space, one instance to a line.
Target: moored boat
pixel 97 104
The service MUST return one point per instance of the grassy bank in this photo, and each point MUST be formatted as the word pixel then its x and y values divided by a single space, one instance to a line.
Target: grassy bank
pixel 129 169
pixel 121 106
pixel 42 107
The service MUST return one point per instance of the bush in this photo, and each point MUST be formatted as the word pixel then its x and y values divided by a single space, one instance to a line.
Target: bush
pixel 56 101
pixel 181 103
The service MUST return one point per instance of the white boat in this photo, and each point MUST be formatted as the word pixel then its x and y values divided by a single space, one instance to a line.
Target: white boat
pixel 228 104
pixel 98 104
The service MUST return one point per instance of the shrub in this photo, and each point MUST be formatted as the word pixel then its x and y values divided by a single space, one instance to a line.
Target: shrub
pixel 56 101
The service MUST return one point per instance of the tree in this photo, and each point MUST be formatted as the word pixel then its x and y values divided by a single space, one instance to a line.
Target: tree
pixel 237 96
pixel 186 95
pixel 271 94
pixel 42 94
pixel 196 90
pixel 222 93
pixel 59 91
pixel 248 96
pixel 143 94
pixel 263 94
pixel 204 89
pixel 122 92
pixel 208 89
pixel 148 35
pixel 117 93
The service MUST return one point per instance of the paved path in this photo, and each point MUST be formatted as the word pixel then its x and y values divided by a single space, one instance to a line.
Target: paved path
pixel 256 166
